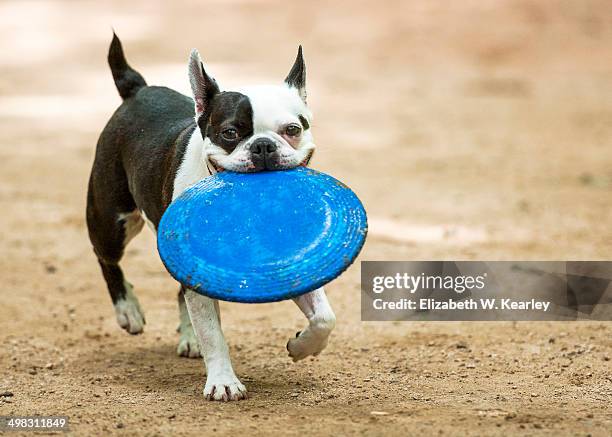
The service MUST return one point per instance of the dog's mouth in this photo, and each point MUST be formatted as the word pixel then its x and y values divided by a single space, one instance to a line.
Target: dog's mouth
pixel 306 160
pixel 215 166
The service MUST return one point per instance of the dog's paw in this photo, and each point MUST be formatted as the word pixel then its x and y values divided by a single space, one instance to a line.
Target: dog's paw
pixel 224 387
pixel 306 343
pixel 188 343
pixel 129 315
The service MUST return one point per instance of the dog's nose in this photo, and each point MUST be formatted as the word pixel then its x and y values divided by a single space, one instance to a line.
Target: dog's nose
pixel 271 148
pixel 263 146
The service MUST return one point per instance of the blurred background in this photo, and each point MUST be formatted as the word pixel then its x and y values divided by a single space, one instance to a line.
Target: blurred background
pixel 470 130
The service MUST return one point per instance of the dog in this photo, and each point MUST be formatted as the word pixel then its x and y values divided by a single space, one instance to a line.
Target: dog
pixel 158 143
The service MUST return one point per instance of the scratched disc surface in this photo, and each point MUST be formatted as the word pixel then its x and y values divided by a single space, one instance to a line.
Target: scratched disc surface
pixel 261 237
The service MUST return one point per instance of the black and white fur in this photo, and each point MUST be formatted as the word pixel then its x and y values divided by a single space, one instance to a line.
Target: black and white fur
pixel 158 143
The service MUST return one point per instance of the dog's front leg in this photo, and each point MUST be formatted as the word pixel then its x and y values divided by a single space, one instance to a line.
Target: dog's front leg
pixel 221 382
pixel 321 321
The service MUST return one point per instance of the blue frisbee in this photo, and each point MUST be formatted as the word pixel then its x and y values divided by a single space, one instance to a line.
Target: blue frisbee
pixel 261 237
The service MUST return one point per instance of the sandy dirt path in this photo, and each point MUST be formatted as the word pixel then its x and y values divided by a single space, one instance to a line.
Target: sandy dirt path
pixel 480 131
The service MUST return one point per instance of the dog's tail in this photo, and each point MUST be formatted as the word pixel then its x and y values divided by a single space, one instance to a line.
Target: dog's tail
pixel 127 80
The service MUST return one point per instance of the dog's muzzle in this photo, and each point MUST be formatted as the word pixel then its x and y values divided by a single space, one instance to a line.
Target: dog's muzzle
pixel 264 153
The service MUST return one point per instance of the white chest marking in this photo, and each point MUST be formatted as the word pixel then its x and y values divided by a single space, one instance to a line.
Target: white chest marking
pixel 193 167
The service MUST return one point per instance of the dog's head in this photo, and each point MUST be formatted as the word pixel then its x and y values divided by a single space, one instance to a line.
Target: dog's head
pixel 255 128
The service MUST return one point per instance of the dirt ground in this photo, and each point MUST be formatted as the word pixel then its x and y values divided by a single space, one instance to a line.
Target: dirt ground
pixel 471 130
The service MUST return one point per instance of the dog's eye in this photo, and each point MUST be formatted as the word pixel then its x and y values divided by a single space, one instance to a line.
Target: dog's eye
pixel 229 134
pixel 293 130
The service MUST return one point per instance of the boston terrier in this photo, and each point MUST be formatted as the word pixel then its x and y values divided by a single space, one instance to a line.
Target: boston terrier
pixel 158 143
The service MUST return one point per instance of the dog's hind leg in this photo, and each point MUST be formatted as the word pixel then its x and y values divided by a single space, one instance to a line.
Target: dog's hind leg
pixel 113 220
pixel 321 322
pixel 188 342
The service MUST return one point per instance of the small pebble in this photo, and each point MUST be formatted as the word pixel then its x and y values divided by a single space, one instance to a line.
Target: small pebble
pixel 379 413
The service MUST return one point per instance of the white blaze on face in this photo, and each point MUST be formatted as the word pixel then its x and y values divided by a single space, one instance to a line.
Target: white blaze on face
pixel 274 105
pixel 274 108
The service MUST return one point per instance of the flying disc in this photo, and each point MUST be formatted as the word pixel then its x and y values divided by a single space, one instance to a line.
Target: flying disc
pixel 261 237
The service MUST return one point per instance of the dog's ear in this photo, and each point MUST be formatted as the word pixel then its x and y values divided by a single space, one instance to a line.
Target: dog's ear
pixel 203 86
pixel 297 76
